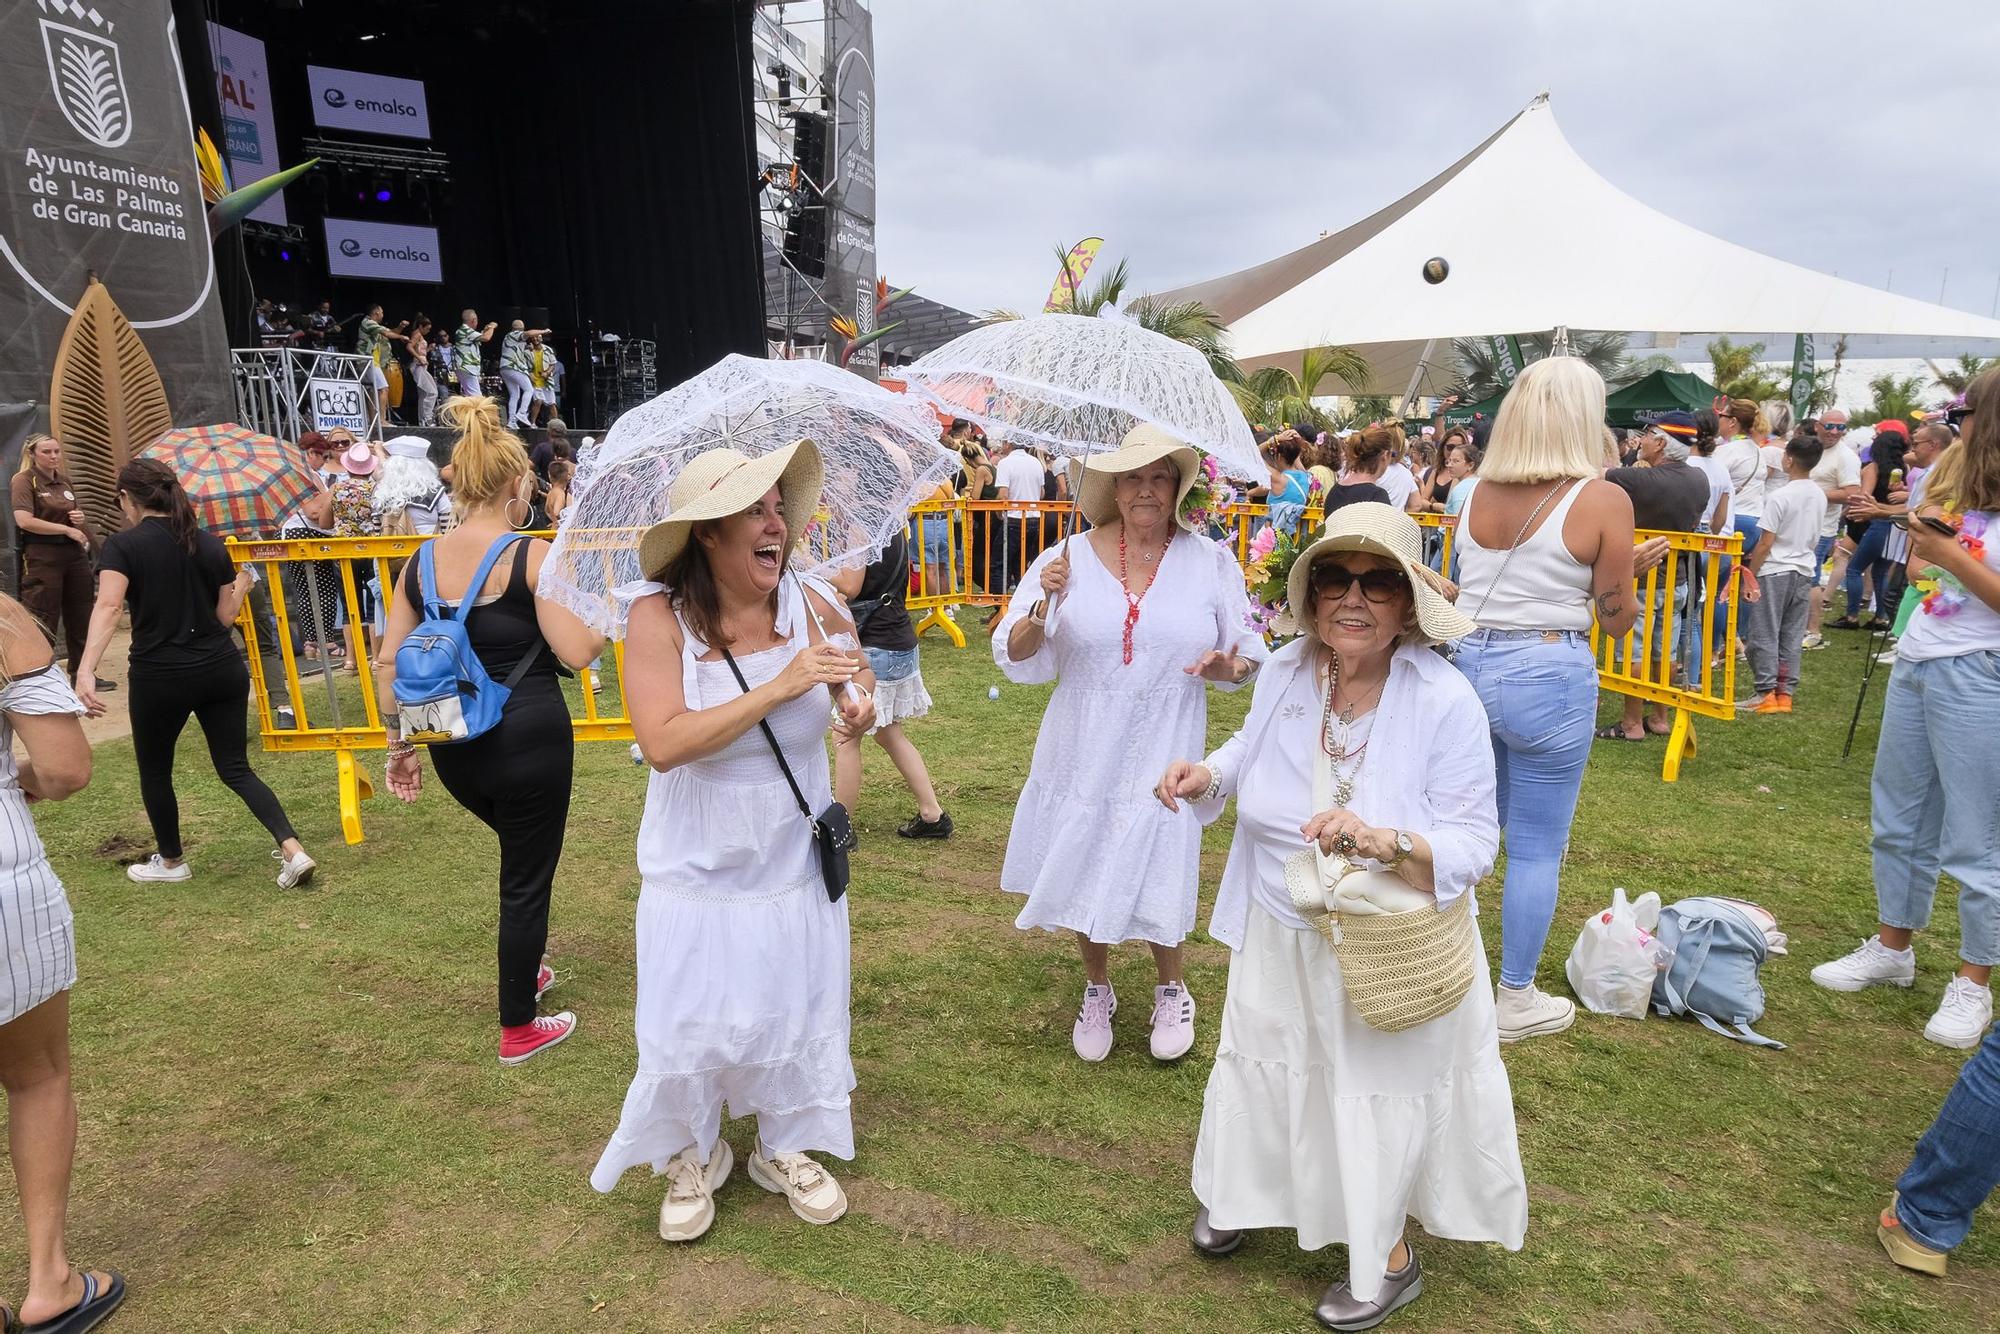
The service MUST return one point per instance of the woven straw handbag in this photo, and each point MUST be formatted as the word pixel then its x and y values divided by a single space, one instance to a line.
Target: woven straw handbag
pixel 1400 969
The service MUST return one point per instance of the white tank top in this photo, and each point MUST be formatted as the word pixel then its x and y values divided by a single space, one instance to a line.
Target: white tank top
pixel 1543 587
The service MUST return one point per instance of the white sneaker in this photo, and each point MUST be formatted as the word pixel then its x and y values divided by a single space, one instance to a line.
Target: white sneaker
pixel 1173 1021
pixel 1814 640
pixel 296 871
pixel 689 1209
pixel 1963 1016
pixel 814 1194
pixel 1092 1035
pixel 1873 965
pixel 1530 1012
pixel 155 869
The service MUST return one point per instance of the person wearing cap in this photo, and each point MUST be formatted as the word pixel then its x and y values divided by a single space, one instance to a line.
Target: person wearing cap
pixel 1131 620
pixel 733 668
pixel 354 516
pixel 1365 742
pixel 410 497
pixel 1839 477
pixel 515 776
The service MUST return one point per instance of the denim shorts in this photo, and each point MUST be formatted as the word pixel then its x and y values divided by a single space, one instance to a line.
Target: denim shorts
pixel 892 664
pixel 937 538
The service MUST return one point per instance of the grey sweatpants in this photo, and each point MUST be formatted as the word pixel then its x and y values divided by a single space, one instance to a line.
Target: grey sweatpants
pixel 1777 627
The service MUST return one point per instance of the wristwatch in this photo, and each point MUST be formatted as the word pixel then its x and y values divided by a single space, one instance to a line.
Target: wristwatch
pixel 1404 847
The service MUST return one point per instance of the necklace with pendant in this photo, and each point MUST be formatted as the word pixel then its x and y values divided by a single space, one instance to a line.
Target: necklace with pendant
pixel 1133 600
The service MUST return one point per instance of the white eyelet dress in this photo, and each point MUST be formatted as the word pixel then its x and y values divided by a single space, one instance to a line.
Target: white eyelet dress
pixel 36 928
pixel 742 961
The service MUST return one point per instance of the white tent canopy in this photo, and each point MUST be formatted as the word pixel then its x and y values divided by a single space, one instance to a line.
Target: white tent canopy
pixel 1536 241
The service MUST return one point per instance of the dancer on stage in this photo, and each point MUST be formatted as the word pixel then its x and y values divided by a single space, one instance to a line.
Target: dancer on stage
pixel 733 668
pixel 1091 850
pixel 373 343
pixel 467 342
pixel 1364 741
pixel 516 366
pixel 420 369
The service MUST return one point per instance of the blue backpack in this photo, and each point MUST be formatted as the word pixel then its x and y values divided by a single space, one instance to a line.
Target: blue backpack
pixel 1713 973
pixel 442 689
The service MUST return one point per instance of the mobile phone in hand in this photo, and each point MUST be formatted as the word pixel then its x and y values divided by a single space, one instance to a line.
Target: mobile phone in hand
pixel 1935 524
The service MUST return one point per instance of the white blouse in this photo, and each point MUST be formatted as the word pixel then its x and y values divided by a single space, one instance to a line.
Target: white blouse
pixel 1428 770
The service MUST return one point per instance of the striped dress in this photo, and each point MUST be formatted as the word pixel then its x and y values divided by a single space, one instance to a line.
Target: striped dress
pixel 35 926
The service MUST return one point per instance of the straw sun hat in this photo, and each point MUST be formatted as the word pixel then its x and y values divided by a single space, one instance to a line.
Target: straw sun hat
pixel 1095 480
pixel 722 482
pixel 1380 530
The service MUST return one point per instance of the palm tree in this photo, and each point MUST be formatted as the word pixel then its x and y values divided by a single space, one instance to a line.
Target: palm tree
pixel 1604 352
pixel 1895 396
pixel 1188 322
pixel 1954 380
pixel 1273 396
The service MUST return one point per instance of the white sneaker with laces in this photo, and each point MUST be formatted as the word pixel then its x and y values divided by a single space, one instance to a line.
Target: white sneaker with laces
pixel 1963 1016
pixel 689 1209
pixel 1092 1034
pixel 155 869
pixel 1873 965
pixel 1813 640
pixel 1530 1012
pixel 1173 1021
pixel 296 871
pixel 815 1196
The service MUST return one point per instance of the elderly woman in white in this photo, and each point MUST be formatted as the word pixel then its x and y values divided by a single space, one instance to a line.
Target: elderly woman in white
pixel 1130 620
pixel 1364 749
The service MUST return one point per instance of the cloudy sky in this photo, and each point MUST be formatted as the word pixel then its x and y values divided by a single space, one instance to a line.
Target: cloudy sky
pixel 1202 136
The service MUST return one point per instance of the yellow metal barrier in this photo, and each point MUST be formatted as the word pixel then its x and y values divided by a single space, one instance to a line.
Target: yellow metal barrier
pixel 325 593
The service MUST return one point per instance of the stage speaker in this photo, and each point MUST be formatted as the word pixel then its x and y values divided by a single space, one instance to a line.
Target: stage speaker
pixel 805 226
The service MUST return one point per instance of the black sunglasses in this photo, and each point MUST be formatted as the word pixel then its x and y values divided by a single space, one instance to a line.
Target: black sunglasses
pixel 1333 581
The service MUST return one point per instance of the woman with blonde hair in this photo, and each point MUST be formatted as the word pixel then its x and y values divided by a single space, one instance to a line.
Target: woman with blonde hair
pixel 56 539
pixel 1543 545
pixel 515 776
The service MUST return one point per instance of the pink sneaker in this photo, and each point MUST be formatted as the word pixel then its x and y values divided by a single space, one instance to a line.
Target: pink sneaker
pixel 545 977
pixel 521 1041
pixel 1092 1035
pixel 1173 1021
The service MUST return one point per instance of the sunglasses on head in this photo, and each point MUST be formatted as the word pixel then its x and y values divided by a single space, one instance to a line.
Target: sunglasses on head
pixel 1333 581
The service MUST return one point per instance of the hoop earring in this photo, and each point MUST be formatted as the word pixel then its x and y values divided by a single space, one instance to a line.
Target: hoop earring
pixel 527 513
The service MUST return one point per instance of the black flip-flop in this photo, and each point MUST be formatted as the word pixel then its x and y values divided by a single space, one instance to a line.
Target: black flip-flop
pixel 86 1314
pixel 1615 733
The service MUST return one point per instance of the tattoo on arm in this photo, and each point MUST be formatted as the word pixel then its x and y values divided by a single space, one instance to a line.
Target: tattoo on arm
pixel 1609 603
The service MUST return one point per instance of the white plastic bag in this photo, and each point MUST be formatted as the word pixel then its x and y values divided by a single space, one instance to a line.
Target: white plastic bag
pixel 1615 958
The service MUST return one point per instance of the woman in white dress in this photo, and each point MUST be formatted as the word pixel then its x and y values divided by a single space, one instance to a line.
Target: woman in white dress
pixel 742 956
pixel 1314 1120
pixel 1089 848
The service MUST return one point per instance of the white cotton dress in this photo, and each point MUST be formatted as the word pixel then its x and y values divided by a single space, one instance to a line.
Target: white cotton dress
pixel 742 961
pixel 1312 1120
pixel 1092 848
pixel 37 933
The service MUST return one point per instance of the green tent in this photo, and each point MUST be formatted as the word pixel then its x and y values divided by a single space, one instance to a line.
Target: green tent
pixel 1461 414
pixel 1662 391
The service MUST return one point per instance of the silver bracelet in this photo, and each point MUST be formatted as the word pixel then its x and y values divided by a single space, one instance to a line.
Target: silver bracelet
pixel 1214 788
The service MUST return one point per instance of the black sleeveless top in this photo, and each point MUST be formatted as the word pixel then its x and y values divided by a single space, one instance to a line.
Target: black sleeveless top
pixel 504 630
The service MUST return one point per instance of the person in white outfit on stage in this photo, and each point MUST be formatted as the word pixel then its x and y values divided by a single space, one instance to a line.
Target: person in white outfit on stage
pixel 742 951
pixel 1364 741
pixel 515 366
pixel 1090 849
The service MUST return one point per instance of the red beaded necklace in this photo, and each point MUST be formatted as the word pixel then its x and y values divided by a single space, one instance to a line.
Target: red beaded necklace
pixel 1133 600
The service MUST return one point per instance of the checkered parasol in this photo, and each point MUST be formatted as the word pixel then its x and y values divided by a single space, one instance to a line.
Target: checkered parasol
pixel 242 484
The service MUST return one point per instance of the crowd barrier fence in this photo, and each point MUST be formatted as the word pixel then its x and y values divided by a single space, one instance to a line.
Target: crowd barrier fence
pixel 318 601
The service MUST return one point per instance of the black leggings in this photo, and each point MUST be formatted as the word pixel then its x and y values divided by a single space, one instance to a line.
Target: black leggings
pixel 516 779
pixel 217 695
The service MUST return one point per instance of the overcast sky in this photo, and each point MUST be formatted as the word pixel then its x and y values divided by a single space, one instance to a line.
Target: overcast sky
pixel 1203 136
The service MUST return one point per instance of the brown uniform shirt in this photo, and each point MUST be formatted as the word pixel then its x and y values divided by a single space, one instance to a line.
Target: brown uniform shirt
pixel 50 501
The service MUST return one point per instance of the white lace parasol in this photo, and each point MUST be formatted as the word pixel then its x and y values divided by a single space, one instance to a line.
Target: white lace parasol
pixel 880 449
pixel 1076 384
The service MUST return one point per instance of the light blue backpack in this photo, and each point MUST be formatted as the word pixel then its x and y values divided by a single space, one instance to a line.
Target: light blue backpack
pixel 1713 976
pixel 442 689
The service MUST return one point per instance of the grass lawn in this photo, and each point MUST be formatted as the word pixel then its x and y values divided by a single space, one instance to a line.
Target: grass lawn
pixel 292 1118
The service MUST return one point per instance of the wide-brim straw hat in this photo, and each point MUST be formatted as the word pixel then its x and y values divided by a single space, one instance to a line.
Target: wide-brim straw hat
pixel 1094 481
pixel 722 482
pixel 1380 530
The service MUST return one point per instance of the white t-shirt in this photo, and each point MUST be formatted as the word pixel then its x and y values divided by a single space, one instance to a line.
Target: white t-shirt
pixel 1746 466
pixel 1720 490
pixel 1792 517
pixel 1838 467
pixel 1953 622
pixel 1020 476
pixel 1774 466
pixel 1399 482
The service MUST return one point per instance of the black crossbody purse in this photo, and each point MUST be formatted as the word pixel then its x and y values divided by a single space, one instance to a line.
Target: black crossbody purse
pixel 833 832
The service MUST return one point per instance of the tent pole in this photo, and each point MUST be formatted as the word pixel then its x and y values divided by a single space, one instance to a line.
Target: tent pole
pixel 1416 378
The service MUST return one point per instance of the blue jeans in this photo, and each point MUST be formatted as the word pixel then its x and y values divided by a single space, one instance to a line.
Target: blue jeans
pixel 1936 770
pixel 1868 560
pixel 1957 1162
pixel 1747 525
pixel 1541 699
pixel 1821 551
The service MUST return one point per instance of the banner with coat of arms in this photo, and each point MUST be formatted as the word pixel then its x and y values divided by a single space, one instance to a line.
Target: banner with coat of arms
pixel 98 176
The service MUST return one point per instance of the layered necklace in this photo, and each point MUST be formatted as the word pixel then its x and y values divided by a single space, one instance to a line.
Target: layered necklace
pixel 1336 733
pixel 1132 600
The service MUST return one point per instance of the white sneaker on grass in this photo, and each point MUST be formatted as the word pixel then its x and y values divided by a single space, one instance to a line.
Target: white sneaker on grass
pixel 1530 1012
pixel 815 1196
pixel 296 871
pixel 155 870
pixel 1173 1021
pixel 1091 1035
pixel 689 1209
pixel 1963 1016
pixel 1873 965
